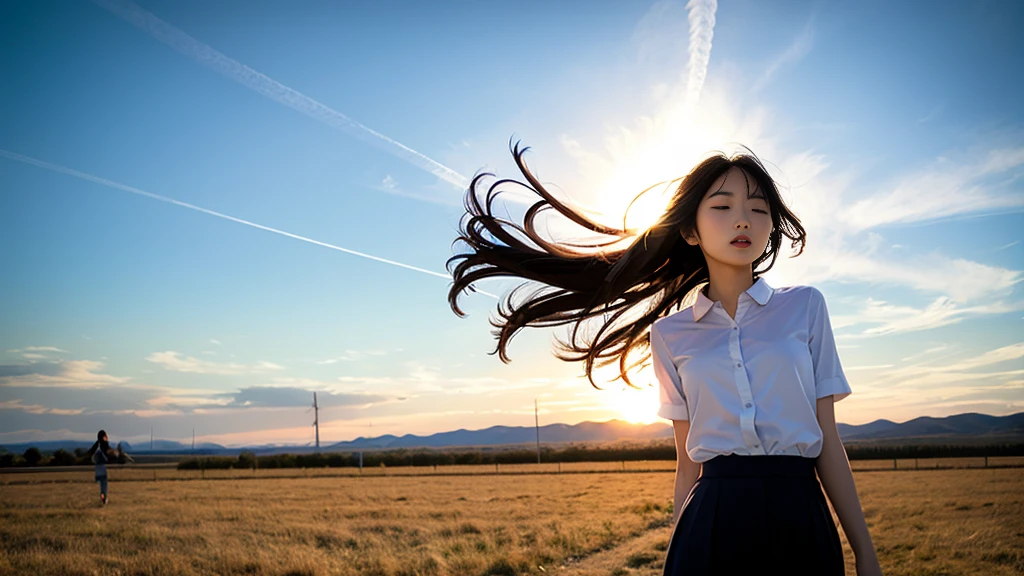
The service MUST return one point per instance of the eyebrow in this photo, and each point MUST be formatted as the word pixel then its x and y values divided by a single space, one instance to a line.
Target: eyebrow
pixel 749 197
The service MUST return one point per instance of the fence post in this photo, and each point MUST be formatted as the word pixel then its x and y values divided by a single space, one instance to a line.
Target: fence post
pixel 623 465
pixel 495 467
pixel 915 463
pixel 986 461
pixel 559 467
pixel 893 463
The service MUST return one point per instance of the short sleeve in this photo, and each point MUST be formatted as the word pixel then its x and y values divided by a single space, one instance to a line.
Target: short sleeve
pixel 828 371
pixel 670 387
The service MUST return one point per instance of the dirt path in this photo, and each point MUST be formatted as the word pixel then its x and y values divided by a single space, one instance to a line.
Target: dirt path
pixel 640 556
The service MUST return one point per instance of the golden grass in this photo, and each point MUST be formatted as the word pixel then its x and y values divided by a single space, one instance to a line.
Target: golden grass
pixel 923 522
pixel 163 472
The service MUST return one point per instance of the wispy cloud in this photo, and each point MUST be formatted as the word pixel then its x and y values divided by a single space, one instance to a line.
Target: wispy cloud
pixel 892 318
pixel 944 189
pixel 989 382
pixel 185 400
pixel 962 280
pixel 996 356
pixel 931 115
pixel 290 396
pixel 391 186
pixel 702 30
pixel 37 353
pixel 799 48
pixel 178 362
pixel 928 351
pixel 840 249
pixel 254 80
pixel 35 435
pixel 119 186
pixel 105 394
pixel 935 376
pixel 426 379
pixel 70 373
pixel 866 368
pixel 38 409
pixel 352 356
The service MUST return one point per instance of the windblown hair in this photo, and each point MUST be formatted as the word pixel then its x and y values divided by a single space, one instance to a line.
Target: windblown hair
pixel 100 443
pixel 652 275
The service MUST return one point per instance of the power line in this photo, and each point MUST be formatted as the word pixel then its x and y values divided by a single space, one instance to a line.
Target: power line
pixel 316 422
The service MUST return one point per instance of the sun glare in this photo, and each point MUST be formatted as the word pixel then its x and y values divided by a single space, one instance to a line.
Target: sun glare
pixel 661 147
pixel 636 406
pixel 639 406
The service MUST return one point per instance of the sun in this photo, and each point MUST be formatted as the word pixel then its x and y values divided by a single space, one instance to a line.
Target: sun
pixel 641 152
pixel 636 405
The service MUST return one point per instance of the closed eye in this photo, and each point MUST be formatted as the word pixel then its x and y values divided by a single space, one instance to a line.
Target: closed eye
pixel 726 208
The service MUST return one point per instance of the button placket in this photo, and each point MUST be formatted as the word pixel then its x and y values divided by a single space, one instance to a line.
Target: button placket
pixel 743 387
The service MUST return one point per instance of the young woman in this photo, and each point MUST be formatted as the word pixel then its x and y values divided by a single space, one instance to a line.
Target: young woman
pixel 747 373
pixel 101 453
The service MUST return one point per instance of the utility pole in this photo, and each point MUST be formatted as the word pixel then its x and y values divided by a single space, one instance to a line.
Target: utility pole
pixel 536 423
pixel 316 422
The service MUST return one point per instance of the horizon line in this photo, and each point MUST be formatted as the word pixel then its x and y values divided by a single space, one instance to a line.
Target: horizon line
pixel 634 424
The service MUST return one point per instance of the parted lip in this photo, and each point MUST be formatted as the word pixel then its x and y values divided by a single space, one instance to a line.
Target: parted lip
pixel 740 237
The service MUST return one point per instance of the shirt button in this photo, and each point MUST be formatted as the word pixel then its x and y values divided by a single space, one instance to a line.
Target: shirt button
pixel 735 328
pixel 748 404
pixel 738 365
pixel 757 445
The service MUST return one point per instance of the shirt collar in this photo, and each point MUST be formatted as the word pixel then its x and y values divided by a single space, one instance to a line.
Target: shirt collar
pixel 759 292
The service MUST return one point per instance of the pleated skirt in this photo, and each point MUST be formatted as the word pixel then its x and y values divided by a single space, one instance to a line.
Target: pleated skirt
pixel 755 515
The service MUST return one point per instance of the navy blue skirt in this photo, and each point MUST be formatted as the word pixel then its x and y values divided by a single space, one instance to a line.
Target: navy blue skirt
pixel 755 515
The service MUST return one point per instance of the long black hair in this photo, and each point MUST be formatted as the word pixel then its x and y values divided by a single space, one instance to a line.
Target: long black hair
pixel 652 275
pixel 101 443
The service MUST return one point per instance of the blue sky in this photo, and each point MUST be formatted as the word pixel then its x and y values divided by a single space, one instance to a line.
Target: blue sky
pixel 894 129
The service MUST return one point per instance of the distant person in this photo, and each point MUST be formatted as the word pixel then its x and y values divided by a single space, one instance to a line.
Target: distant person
pixel 101 453
pixel 747 373
pixel 122 455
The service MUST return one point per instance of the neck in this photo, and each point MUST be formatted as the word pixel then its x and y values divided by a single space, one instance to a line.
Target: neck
pixel 727 283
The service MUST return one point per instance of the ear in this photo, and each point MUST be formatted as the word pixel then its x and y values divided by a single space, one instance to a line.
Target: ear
pixel 692 239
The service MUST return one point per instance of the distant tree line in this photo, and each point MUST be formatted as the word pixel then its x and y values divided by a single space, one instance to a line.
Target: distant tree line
pixel 572 453
pixel 34 457
pixel 881 452
pixel 427 457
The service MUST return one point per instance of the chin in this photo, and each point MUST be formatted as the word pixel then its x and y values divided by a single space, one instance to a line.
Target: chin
pixel 735 263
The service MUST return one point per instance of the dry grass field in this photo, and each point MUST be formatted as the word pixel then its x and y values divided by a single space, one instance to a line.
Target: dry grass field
pixel 164 472
pixel 924 522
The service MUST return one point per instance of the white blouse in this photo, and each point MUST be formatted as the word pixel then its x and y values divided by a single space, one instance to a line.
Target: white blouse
pixel 750 385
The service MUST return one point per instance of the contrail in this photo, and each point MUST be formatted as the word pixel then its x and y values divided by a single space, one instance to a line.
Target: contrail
pixel 119 186
pixel 211 58
pixel 702 29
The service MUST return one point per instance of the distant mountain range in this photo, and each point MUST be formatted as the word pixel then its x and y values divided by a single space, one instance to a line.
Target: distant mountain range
pixel 962 428
pixel 159 447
